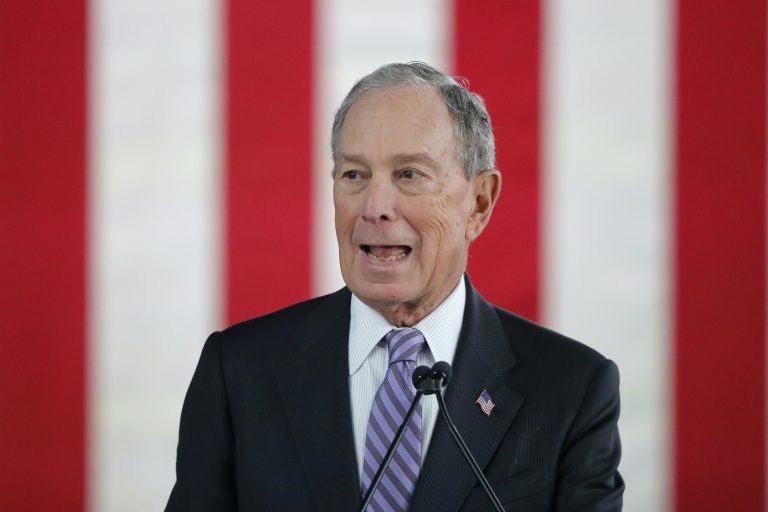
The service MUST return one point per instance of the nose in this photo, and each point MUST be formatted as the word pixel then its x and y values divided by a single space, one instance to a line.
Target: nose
pixel 380 200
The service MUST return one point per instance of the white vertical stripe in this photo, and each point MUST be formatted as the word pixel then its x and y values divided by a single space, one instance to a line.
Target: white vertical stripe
pixel 154 212
pixel 355 37
pixel 607 74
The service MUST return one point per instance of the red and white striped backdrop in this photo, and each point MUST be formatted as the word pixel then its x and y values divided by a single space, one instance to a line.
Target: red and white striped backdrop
pixel 164 172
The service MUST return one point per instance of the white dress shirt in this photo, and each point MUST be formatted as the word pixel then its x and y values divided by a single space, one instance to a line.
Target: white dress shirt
pixel 368 359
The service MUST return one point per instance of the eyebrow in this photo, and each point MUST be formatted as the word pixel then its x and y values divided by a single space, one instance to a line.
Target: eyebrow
pixel 420 157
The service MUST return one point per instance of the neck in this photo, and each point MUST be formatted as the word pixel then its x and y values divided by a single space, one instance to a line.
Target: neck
pixel 408 314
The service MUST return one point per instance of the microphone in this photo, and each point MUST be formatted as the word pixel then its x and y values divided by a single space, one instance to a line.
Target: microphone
pixel 420 375
pixel 432 379
pixel 440 374
pixel 442 370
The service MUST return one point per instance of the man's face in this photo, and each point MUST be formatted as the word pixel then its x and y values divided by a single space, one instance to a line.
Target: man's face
pixel 405 212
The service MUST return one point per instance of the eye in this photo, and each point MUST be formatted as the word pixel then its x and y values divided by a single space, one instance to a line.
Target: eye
pixel 408 174
pixel 350 175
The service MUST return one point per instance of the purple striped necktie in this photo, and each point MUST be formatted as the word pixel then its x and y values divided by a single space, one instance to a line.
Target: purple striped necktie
pixel 393 399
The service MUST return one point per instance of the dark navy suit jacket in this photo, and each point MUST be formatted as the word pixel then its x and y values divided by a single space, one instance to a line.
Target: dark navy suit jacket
pixel 266 423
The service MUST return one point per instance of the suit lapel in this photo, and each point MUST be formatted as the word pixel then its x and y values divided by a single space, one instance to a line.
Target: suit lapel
pixel 483 361
pixel 317 405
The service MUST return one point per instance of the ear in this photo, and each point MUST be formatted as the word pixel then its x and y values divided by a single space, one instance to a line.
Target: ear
pixel 487 187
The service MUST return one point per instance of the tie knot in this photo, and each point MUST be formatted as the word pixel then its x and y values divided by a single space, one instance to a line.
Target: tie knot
pixel 404 344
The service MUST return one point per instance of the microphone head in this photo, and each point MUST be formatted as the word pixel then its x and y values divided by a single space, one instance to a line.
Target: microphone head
pixel 420 374
pixel 443 370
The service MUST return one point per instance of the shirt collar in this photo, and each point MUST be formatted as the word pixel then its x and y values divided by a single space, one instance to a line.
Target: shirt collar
pixel 441 328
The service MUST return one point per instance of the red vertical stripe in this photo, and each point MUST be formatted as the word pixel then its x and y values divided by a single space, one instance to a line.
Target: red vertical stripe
pixel 497 47
pixel 720 300
pixel 42 260
pixel 268 154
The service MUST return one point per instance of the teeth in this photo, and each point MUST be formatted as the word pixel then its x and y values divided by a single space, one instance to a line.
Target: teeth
pixel 391 257
pixel 385 255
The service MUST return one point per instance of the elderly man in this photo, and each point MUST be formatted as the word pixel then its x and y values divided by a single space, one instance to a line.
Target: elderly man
pixel 295 410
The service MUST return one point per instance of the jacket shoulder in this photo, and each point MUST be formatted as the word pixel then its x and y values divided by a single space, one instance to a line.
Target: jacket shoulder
pixel 539 347
pixel 279 334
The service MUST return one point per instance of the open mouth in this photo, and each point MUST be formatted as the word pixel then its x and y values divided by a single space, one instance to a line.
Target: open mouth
pixel 386 253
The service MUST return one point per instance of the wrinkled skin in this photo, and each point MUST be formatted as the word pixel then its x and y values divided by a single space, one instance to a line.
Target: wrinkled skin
pixel 405 212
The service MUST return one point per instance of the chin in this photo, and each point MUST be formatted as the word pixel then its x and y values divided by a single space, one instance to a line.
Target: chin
pixel 380 294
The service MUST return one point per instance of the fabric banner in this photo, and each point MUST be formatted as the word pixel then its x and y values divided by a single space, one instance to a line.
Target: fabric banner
pixel 165 172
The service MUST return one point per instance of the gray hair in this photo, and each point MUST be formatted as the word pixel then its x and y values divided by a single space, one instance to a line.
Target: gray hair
pixel 471 120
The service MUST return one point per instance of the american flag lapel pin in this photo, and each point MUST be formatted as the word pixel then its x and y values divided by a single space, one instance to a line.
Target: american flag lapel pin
pixel 485 402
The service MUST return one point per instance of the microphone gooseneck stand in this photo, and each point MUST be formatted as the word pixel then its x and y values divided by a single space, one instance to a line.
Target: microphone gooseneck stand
pixel 467 454
pixel 430 381
pixel 440 375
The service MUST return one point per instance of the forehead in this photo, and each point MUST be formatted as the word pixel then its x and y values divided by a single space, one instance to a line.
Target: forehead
pixel 402 119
